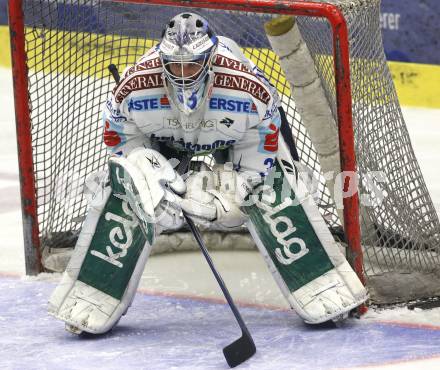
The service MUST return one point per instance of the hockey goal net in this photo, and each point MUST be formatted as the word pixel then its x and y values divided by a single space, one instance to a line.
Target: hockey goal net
pixel 62 50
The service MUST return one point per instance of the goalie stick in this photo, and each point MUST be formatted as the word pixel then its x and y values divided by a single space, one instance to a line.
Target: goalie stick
pixel 244 347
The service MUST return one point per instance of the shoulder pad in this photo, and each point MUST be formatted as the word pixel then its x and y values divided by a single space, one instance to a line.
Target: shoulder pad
pixel 149 61
pixel 242 82
pixel 145 74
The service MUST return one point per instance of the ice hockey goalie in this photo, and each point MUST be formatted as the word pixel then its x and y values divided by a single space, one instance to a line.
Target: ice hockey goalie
pixel 196 93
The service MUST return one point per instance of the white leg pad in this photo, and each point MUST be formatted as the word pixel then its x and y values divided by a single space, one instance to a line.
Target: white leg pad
pixel 330 296
pixel 84 307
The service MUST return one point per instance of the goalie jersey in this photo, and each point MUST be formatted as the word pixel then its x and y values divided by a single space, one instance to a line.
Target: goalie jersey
pixel 240 112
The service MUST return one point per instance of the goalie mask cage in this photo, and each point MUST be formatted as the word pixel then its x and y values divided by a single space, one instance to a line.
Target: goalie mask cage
pixel 61 53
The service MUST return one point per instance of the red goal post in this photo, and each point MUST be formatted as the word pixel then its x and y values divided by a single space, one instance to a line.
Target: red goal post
pixel 24 139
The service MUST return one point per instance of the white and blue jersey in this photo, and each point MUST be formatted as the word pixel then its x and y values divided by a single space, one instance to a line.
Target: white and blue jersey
pixel 240 112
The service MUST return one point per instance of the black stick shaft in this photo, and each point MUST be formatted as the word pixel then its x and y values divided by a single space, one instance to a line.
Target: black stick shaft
pixel 219 279
pixel 114 71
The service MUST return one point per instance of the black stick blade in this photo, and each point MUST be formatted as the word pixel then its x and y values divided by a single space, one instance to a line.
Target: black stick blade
pixel 239 351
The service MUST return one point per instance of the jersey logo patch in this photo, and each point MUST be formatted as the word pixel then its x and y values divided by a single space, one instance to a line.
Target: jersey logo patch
pixel 164 102
pixel 225 62
pixel 194 148
pixel 174 123
pixel 111 138
pixel 241 83
pixel 269 139
pixel 228 104
pixel 148 103
pixel 137 82
pixel 144 66
pixel 227 122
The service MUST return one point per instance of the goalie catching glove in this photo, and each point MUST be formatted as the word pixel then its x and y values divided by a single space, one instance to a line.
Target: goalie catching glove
pixel 151 186
pixel 213 197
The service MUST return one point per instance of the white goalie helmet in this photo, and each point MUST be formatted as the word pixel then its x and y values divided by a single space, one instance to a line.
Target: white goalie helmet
pixel 186 51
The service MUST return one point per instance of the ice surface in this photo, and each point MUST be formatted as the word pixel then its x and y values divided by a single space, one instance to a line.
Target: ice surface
pixel 174 325
pixel 174 333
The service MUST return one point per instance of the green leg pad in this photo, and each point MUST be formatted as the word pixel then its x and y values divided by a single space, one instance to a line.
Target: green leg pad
pixel 287 234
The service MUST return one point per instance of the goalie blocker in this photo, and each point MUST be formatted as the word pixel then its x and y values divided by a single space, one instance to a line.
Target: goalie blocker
pixel 118 234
